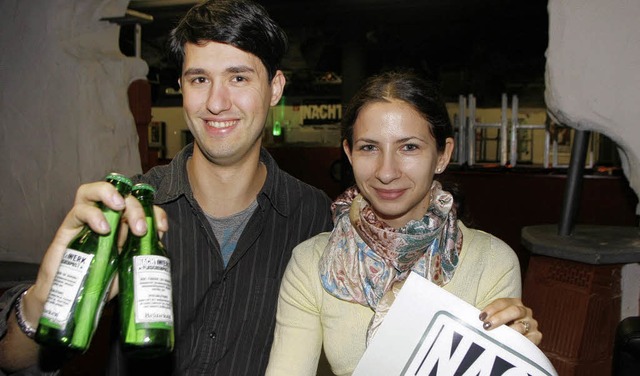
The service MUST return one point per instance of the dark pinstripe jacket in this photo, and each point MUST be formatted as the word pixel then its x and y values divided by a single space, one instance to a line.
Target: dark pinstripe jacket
pixel 225 317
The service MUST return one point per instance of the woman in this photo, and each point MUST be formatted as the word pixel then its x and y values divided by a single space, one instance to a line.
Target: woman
pixel 337 287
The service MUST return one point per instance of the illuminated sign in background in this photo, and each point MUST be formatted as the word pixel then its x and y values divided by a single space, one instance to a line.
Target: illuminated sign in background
pixel 318 111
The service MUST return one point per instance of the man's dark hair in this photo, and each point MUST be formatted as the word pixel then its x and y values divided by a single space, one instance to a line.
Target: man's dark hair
pixel 239 23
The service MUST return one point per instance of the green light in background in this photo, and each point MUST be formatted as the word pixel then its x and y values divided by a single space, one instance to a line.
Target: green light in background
pixel 277 128
pixel 277 124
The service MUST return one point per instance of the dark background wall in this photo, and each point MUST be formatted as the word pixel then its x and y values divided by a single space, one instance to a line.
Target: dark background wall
pixel 485 47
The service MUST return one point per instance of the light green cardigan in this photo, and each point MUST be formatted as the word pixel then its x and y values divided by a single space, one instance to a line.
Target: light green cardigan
pixel 309 317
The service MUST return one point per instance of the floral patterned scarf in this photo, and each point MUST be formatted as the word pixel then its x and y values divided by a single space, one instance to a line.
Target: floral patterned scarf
pixel 365 256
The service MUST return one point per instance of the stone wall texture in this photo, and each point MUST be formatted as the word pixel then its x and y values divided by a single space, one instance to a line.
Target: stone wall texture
pixel 65 117
pixel 593 72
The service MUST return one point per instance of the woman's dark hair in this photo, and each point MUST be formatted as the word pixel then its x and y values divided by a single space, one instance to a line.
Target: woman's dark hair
pixel 423 95
pixel 239 23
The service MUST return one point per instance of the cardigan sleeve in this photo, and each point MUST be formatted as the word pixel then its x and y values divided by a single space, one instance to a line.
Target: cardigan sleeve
pixel 488 269
pixel 501 278
pixel 297 340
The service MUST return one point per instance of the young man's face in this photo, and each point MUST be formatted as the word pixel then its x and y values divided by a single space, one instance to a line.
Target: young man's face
pixel 226 98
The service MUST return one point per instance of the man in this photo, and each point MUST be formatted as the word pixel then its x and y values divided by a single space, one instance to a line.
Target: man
pixel 230 216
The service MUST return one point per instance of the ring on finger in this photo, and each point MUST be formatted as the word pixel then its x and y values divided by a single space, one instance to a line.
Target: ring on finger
pixel 526 325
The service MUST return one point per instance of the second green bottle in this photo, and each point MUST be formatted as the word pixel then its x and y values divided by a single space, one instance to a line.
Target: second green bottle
pixel 146 305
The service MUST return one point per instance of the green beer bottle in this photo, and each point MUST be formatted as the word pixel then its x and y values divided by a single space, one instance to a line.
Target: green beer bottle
pixel 80 287
pixel 146 304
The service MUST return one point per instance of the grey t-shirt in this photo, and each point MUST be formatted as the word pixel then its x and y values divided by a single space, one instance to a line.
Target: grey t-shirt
pixel 228 229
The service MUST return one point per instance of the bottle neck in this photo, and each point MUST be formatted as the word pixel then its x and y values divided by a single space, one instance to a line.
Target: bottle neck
pixel 150 239
pixel 122 187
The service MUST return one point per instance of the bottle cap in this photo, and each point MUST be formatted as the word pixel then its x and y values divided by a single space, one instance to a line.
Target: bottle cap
pixel 144 186
pixel 119 177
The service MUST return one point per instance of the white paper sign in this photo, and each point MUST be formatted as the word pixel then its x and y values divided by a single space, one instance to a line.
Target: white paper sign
pixel 429 331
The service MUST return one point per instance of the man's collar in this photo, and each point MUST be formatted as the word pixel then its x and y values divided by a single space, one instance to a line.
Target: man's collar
pixel 176 183
pixel 274 188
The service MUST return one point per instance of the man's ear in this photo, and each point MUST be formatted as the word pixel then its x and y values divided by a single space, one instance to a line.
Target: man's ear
pixel 277 87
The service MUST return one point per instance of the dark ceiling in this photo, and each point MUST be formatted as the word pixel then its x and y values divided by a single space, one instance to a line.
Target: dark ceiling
pixel 484 47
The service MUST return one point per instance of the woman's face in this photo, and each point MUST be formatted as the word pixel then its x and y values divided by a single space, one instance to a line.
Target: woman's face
pixel 394 159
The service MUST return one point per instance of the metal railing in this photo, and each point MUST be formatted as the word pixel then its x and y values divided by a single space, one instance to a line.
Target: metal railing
pixel 473 137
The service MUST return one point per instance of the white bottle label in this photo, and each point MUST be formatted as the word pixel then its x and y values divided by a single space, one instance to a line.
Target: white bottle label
pixel 152 290
pixel 66 285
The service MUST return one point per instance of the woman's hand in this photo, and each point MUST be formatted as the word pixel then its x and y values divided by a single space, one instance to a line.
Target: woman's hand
pixel 511 312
